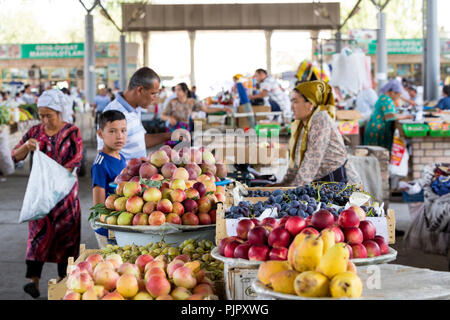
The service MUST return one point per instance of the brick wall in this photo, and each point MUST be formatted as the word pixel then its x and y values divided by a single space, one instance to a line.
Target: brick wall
pixel 428 150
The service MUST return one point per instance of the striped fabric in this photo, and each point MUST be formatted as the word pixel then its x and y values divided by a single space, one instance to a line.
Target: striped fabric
pixel 135 146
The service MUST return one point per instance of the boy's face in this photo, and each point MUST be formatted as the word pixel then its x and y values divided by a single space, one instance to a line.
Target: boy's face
pixel 114 134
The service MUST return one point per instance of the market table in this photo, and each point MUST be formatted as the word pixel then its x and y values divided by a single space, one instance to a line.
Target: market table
pixel 385 282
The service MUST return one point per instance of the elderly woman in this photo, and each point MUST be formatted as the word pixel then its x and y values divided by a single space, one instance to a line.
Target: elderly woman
pixel 317 150
pixel 379 131
pixel 179 110
pixel 56 237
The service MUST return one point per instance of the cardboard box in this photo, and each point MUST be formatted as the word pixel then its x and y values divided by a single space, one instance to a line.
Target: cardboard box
pixel 348 115
pixel 242 122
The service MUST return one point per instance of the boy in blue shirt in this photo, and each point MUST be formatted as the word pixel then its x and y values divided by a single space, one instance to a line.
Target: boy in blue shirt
pixel 109 162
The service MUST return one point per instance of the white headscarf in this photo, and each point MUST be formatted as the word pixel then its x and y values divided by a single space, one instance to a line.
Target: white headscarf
pixel 54 99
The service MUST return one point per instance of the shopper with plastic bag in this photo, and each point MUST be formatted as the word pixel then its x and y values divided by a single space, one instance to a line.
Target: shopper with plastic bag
pixel 55 236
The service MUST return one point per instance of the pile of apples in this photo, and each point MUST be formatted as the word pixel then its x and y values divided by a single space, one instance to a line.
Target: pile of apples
pixel 147 279
pixel 270 238
pixel 186 192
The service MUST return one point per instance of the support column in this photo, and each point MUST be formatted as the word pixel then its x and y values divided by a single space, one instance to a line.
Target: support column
pixel 268 34
pixel 146 43
pixel 432 61
pixel 123 63
pixel 381 51
pixel 89 59
pixel 314 35
pixel 338 41
pixel 192 44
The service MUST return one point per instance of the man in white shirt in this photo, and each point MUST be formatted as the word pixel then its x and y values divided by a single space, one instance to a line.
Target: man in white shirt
pixel 28 97
pixel 271 92
pixel 143 90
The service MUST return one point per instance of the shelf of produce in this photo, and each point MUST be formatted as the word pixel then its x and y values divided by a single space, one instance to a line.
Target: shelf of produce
pixel 395 282
pixel 57 290
pixel 172 233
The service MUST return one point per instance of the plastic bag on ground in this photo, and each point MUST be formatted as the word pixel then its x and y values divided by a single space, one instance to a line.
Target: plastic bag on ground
pixel 49 183
pixel 398 164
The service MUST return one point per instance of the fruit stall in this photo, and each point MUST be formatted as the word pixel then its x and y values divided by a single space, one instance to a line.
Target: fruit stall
pixel 317 241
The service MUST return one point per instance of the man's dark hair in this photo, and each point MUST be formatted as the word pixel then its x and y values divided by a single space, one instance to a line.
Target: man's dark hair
pixel 261 71
pixel 109 116
pixel 26 87
pixel 446 90
pixel 144 77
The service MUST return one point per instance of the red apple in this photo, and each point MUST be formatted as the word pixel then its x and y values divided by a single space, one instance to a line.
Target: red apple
pixel 322 219
pixel 243 227
pixel 384 248
pixel 258 235
pixel 350 250
pixel 140 219
pixel 241 251
pixel 348 219
pixel 173 218
pixel 278 254
pixel 190 205
pixel 212 215
pixel 279 237
pixel 204 218
pixel 353 235
pixel 177 195
pixel 177 208
pixel 258 252
pixel 368 229
pixel 338 234
pixel 310 230
pixel 272 223
pixel 224 242
pixel 360 212
pixel 295 225
pixel 359 251
pixel 229 248
pixel 200 187
pixel 256 222
pixel 193 194
pixel 373 250
pixel 190 219
pixel 308 221
pixel 282 222
pixel 165 206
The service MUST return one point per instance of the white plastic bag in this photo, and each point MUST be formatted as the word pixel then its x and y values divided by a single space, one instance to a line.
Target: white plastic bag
pixel 6 162
pixel 49 183
pixel 398 164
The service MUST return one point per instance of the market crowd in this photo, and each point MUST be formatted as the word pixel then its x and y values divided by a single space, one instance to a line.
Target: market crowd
pixel 317 150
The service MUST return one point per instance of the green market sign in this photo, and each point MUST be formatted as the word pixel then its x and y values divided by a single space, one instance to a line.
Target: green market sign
pixel 56 51
pixel 399 46
pixel 52 51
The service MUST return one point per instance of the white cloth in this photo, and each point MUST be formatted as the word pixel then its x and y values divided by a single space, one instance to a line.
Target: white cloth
pixel 365 101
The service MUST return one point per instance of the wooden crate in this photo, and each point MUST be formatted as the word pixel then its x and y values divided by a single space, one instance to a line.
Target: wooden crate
pixel 57 290
pixel 238 283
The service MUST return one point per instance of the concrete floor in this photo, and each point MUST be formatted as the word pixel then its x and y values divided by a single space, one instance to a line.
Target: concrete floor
pixel 13 236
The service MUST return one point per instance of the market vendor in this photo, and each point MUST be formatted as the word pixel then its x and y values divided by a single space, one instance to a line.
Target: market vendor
pixel 379 130
pixel 142 91
pixel 444 102
pixel 179 110
pixel 56 237
pixel 317 150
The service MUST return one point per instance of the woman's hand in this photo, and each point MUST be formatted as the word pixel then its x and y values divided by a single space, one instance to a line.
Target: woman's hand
pixel 31 144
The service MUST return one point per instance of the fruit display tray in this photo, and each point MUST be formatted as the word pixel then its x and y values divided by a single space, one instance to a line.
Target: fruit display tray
pixel 166 228
pixel 395 282
pixel 389 257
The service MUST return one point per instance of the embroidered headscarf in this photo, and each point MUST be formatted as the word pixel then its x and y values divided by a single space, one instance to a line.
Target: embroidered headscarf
pixel 320 94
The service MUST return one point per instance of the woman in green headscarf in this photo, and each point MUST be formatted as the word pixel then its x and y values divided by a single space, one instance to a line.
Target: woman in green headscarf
pixel 317 150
